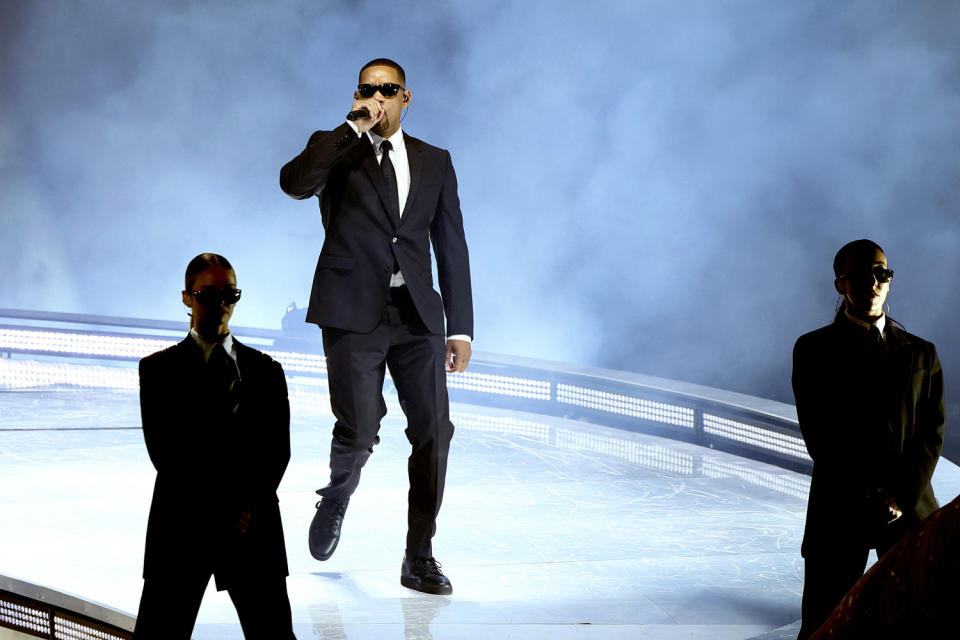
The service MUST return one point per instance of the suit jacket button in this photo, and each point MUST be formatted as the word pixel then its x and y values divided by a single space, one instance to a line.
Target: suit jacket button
pixel 386 267
pixel 394 240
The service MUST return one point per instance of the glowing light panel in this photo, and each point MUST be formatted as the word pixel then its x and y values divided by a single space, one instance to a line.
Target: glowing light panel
pixel 756 436
pixel 626 405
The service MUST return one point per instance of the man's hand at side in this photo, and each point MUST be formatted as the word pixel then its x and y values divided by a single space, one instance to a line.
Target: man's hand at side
pixel 458 355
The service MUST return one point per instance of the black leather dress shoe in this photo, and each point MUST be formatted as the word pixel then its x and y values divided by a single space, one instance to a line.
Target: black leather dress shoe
pixel 423 574
pixel 325 528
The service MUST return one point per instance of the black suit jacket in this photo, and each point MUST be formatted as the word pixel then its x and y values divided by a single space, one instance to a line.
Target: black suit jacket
pixel 365 240
pixel 212 464
pixel 866 426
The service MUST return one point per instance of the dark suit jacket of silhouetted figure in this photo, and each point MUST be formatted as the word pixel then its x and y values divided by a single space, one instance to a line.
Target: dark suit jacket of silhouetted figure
pixel 213 464
pixel 866 425
pixel 364 243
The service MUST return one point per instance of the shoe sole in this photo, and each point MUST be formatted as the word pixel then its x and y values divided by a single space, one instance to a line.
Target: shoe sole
pixel 413 583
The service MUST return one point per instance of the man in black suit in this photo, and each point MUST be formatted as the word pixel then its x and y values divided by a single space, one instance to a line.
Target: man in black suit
pixel 870 403
pixel 384 198
pixel 216 422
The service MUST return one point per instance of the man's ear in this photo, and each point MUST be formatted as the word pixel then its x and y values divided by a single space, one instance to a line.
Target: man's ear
pixel 406 98
pixel 185 297
pixel 838 287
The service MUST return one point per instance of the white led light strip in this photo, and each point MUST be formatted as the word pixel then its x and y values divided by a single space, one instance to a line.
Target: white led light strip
pixel 85 344
pixel 72 630
pixel 648 456
pixel 501 385
pixel 792 485
pixel 757 436
pixel 24 617
pixel 79 343
pixel 500 424
pixel 626 405
pixel 300 362
pixel 30 374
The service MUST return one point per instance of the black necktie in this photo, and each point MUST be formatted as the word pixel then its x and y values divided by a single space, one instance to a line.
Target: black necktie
pixel 875 346
pixel 226 375
pixel 389 176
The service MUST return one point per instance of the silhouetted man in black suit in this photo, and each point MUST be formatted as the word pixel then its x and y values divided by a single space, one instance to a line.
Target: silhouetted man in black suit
pixel 216 422
pixel 870 402
pixel 385 197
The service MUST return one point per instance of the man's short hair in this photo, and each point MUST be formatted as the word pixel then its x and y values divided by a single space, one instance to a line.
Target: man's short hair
pixel 385 62
pixel 200 264
pixel 851 250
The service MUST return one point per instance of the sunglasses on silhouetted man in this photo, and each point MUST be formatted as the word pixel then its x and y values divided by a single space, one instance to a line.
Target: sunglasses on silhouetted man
pixel 882 274
pixel 216 296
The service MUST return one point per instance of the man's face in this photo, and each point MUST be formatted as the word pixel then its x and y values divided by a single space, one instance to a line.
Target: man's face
pixel 393 107
pixel 863 294
pixel 211 316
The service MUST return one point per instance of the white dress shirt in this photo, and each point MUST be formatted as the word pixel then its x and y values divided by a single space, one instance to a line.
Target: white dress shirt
pixel 879 323
pixel 207 347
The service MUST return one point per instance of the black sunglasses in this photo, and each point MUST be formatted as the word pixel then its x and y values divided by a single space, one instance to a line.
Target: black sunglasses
pixel 216 296
pixel 882 274
pixel 387 90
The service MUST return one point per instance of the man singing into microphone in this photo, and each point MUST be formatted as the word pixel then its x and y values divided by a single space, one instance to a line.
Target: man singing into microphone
pixel 384 198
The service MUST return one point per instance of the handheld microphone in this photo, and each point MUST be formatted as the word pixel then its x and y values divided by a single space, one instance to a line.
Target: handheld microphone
pixel 359 113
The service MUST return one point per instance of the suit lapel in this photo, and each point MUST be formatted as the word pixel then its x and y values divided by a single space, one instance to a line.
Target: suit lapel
pixel 189 366
pixel 415 160
pixel 901 358
pixel 242 359
pixel 372 167
pixel 189 352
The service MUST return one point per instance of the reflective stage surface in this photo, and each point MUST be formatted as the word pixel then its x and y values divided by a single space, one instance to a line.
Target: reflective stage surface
pixel 550 528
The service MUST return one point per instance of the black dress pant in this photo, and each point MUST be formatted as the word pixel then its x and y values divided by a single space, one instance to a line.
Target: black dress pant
pixel 829 574
pixel 356 364
pixel 169 607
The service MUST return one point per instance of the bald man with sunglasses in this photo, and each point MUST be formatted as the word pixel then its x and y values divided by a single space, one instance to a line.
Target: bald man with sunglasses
pixel 870 405
pixel 386 198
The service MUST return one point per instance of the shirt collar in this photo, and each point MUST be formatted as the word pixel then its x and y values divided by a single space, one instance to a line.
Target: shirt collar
pixel 206 346
pixel 396 140
pixel 879 323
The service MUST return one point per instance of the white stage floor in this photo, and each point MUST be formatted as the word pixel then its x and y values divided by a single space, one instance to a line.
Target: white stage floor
pixel 550 528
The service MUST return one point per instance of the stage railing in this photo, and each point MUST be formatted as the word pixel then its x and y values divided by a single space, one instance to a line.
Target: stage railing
pixel 44 348
pixel 34 611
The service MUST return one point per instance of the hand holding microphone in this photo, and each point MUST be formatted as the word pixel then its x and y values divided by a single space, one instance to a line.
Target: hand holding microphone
pixel 366 113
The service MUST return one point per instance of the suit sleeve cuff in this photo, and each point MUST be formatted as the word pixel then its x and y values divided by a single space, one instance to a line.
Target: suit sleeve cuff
pixel 460 336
